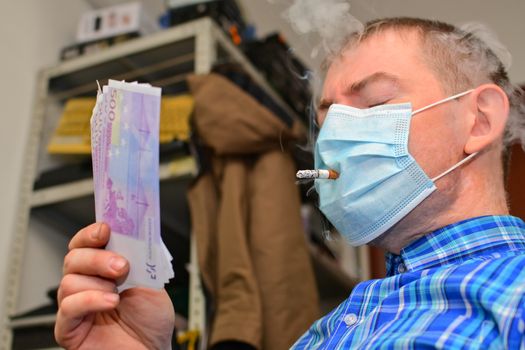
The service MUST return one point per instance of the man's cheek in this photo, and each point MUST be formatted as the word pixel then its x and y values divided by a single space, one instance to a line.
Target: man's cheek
pixel 426 151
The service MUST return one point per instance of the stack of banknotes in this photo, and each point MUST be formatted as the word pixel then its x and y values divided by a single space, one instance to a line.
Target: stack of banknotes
pixel 125 153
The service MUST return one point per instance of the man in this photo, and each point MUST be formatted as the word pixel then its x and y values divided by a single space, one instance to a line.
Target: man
pixel 426 186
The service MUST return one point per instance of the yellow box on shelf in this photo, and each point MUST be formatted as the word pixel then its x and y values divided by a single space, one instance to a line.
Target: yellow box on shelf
pixel 72 134
pixel 175 113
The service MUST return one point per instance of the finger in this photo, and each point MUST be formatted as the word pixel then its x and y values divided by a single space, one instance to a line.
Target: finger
pixel 74 283
pixel 76 306
pixel 95 262
pixel 93 236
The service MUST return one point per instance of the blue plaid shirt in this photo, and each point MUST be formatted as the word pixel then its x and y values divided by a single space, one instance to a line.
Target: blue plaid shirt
pixel 460 287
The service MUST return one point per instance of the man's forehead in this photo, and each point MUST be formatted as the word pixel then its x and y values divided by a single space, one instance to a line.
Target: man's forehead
pixel 388 53
pixel 387 43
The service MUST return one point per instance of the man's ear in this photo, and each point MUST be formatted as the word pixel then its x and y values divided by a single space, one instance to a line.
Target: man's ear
pixel 489 111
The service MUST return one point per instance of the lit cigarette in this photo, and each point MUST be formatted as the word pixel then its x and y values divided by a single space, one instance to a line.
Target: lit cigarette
pixel 317 174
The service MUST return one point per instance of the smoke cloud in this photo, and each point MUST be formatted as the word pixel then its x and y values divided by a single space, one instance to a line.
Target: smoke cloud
pixel 489 38
pixel 330 20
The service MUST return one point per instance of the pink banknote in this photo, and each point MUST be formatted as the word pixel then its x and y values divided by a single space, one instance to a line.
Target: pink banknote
pixel 125 153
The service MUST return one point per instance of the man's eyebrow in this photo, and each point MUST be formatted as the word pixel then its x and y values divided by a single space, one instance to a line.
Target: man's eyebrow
pixel 373 78
pixel 360 85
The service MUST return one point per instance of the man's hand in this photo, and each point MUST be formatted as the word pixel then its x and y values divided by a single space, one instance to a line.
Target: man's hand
pixel 92 315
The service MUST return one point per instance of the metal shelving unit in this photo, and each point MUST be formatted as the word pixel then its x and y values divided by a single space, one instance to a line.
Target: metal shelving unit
pixel 163 59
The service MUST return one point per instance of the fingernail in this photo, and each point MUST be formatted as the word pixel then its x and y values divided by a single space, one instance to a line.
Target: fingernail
pixel 117 264
pixel 111 297
pixel 96 234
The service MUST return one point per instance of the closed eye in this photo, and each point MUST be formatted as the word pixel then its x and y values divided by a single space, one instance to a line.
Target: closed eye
pixel 378 104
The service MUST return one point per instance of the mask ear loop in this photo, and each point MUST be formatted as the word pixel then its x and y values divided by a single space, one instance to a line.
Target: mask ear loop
pixel 438 103
pixel 454 167
pixel 442 101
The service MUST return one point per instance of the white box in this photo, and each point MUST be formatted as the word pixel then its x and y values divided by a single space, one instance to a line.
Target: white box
pixel 112 21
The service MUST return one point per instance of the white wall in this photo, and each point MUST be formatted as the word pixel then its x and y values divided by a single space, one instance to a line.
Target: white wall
pixel 31 35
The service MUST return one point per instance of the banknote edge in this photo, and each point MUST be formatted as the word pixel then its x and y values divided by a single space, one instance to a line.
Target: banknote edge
pixel 148 90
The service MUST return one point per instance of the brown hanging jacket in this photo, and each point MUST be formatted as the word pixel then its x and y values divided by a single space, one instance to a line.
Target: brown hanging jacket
pixel 246 219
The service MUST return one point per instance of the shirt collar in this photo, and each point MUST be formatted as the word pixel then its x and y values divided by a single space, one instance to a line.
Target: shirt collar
pixel 455 243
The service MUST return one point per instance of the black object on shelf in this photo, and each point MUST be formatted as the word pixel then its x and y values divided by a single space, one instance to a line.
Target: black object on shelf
pixel 77 50
pixel 234 73
pixel 283 70
pixel 225 12
pixel 64 174
pixel 35 337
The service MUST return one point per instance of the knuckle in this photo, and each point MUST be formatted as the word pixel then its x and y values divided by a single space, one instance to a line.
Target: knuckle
pixel 60 296
pixel 90 299
pixel 68 281
pixel 58 334
pixel 68 261
pixel 76 237
pixel 64 309
pixel 97 261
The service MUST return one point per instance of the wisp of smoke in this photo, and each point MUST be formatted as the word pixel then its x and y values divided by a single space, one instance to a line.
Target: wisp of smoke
pixel 329 19
pixel 328 23
pixel 489 38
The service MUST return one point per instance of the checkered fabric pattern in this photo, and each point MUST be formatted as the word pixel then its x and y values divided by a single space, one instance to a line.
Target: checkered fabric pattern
pixel 459 287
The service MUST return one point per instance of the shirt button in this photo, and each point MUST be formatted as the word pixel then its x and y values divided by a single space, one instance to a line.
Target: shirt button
pixel 350 319
pixel 401 268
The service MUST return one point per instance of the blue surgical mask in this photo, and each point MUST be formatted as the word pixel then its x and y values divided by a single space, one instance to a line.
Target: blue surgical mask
pixel 379 181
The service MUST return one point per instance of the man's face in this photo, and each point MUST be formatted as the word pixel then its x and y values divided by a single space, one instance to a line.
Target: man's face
pixel 389 68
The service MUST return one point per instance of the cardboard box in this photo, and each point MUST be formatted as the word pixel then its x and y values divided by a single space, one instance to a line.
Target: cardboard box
pixel 113 21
